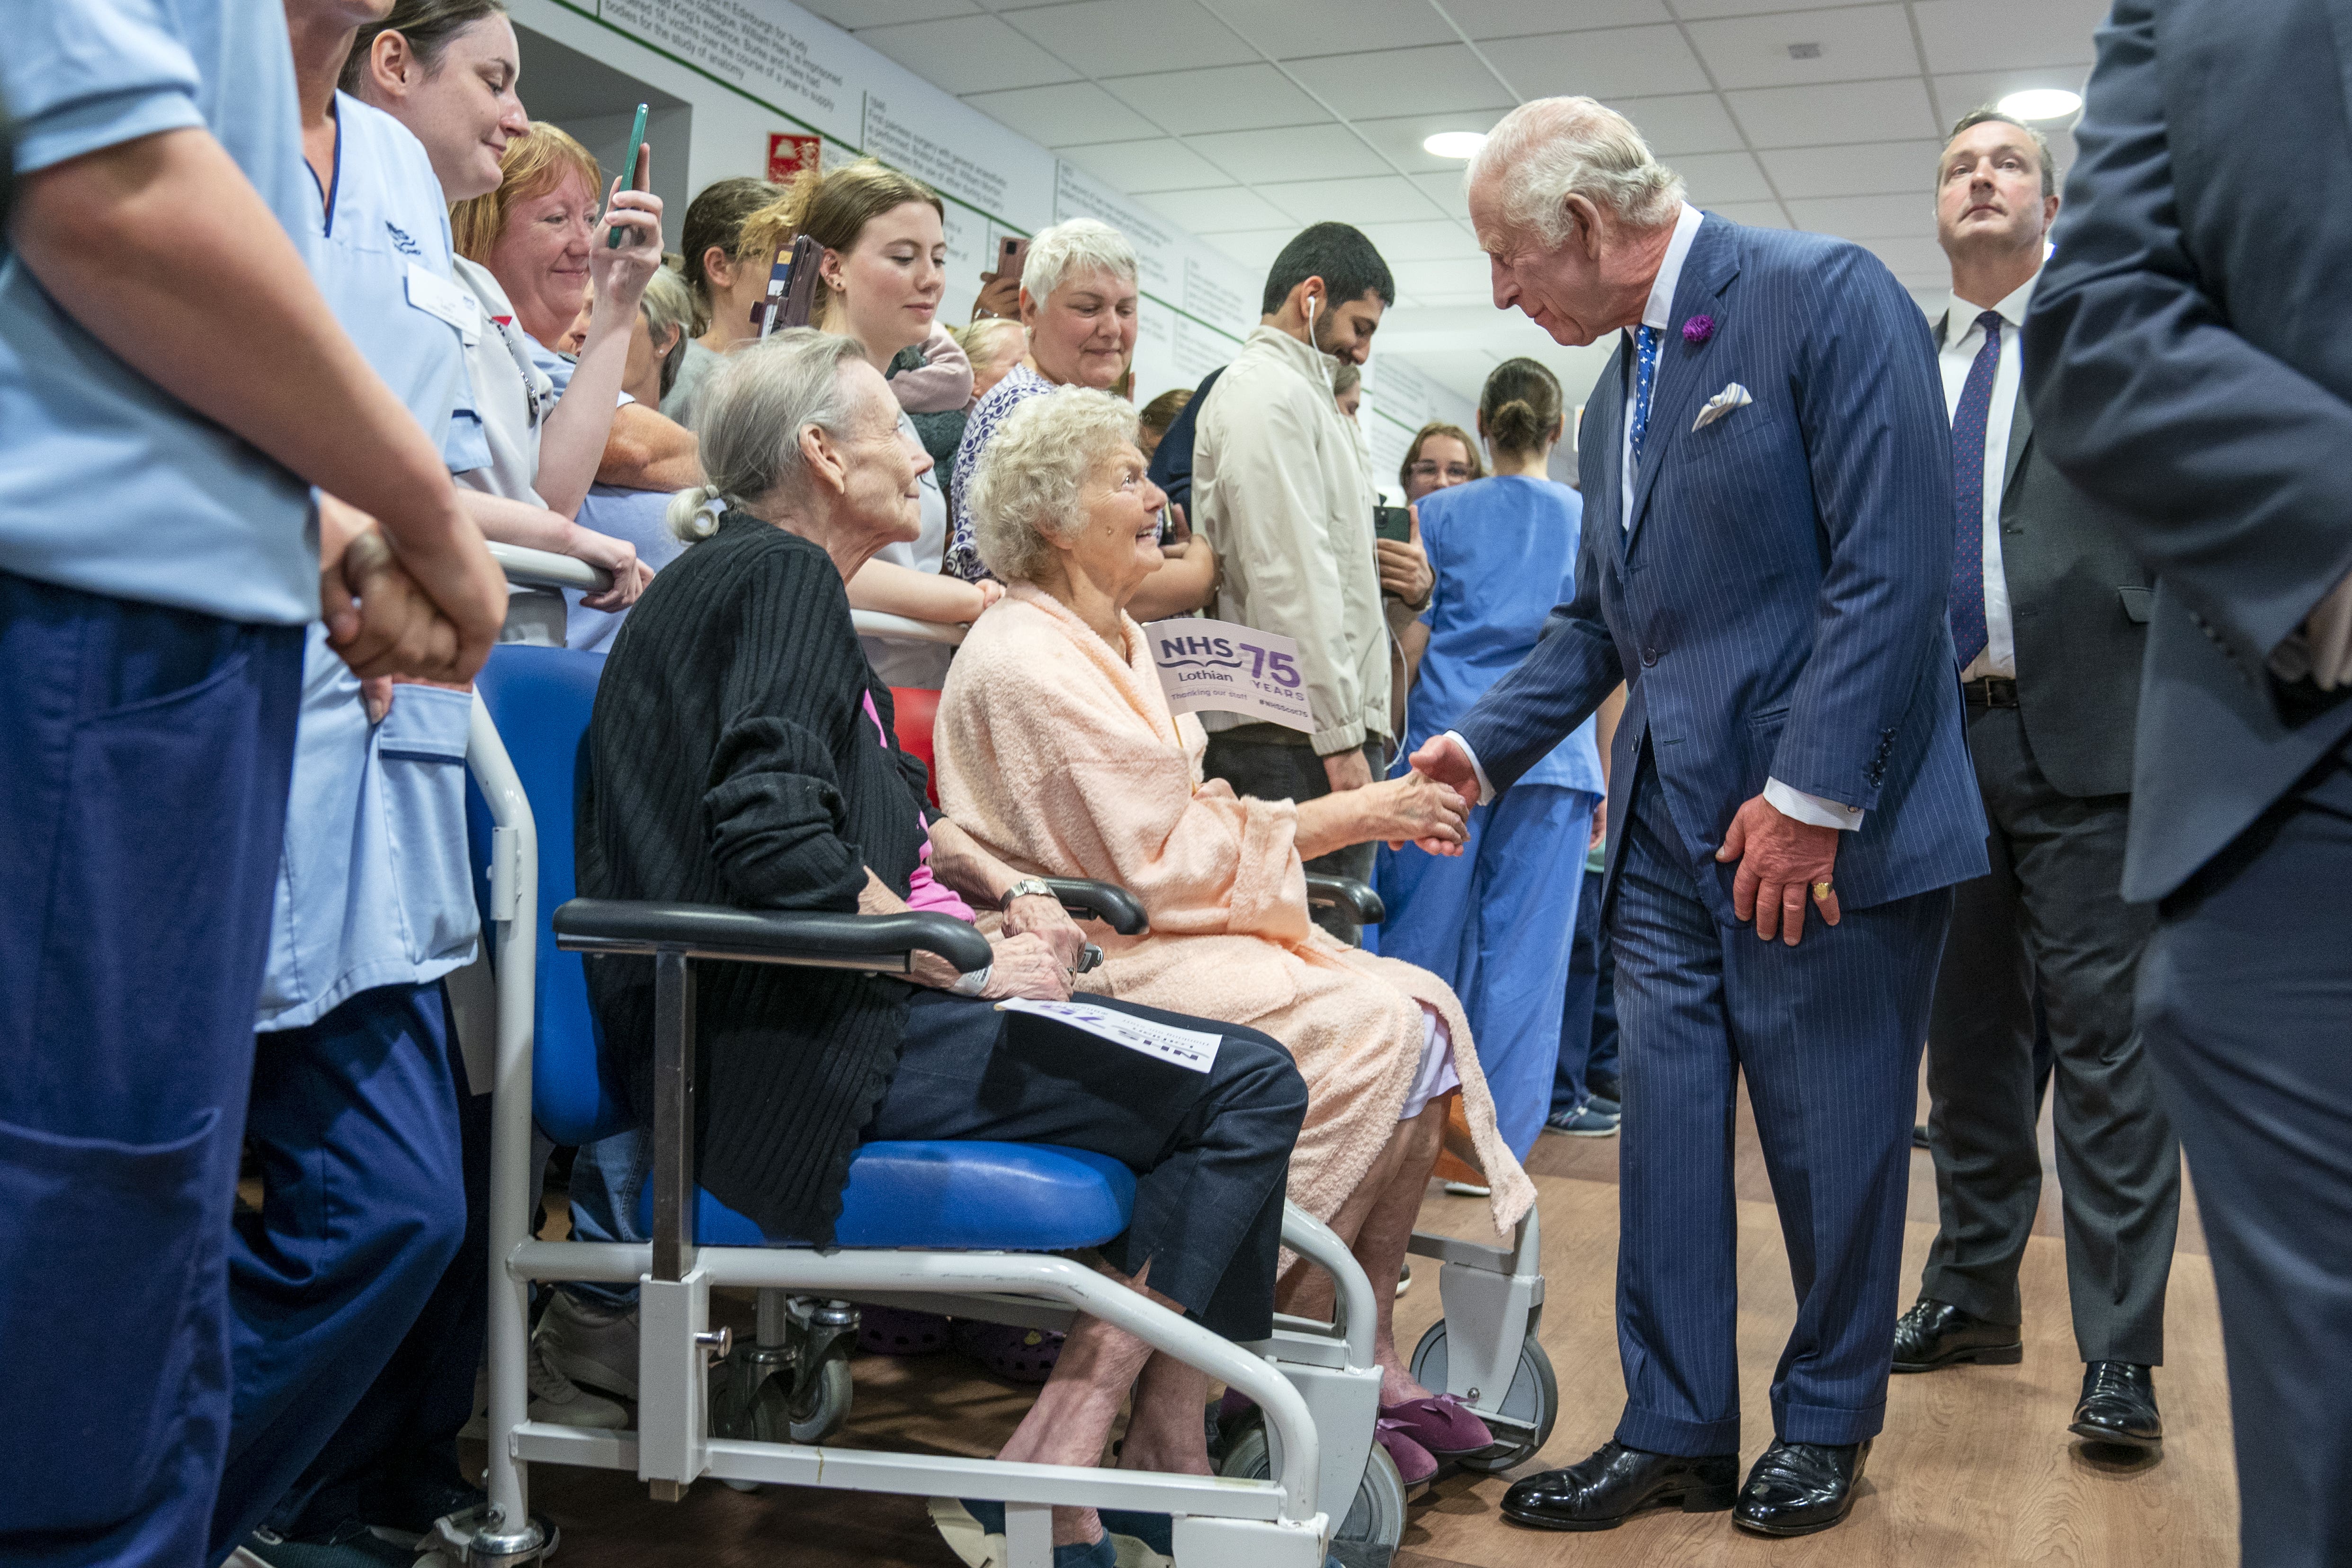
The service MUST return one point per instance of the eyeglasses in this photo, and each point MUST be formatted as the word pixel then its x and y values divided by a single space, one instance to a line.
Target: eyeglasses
pixel 1429 471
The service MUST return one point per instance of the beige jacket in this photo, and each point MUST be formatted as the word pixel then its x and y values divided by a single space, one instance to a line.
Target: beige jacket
pixel 1279 489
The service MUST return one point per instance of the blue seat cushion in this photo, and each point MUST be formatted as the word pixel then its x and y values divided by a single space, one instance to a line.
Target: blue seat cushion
pixel 952 1195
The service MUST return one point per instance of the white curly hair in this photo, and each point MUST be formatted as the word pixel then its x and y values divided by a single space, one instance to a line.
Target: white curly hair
pixel 1027 491
pixel 1550 149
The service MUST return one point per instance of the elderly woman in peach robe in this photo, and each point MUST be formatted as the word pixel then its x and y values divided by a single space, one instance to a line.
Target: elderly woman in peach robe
pixel 1057 752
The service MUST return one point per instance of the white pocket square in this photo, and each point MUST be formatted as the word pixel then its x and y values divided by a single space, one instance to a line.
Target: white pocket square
pixel 1722 403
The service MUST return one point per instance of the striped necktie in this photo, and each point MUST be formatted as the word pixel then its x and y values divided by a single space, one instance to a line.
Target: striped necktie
pixel 1968 634
pixel 1645 375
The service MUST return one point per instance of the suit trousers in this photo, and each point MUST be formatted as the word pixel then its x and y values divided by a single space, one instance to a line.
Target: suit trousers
pixel 142 803
pixel 2048 920
pixel 1828 1036
pixel 2245 998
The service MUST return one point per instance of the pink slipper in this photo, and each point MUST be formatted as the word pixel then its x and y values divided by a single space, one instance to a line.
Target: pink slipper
pixel 1442 1425
pixel 1415 1463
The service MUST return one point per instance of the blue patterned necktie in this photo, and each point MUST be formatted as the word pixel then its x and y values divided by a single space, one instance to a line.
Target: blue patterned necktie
pixel 1968 634
pixel 1645 374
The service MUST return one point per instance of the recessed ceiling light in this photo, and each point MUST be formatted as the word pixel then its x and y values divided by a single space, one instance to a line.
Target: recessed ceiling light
pixel 2041 103
pixel 1455 143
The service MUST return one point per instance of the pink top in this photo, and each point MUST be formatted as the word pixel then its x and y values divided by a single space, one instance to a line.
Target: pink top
pixel 924 891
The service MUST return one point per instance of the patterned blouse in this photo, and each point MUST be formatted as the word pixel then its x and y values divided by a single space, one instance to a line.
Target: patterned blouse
pixel 1020 384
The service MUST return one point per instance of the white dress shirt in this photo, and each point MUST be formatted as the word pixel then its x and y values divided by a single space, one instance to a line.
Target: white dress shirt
pixel 2000 656
pixel 1658 316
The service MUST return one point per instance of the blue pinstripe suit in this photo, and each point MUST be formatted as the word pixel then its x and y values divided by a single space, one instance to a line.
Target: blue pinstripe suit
pixel 1777 610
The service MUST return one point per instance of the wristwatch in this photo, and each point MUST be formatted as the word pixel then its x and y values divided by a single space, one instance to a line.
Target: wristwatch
pixel 1026 886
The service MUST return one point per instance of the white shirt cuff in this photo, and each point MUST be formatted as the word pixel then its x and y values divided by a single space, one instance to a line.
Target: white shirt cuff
pixel 1812 808
pixel 1486 790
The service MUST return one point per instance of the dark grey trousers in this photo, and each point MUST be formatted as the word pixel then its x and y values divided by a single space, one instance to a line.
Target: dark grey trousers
pixel 2049 917
pixel 1270 763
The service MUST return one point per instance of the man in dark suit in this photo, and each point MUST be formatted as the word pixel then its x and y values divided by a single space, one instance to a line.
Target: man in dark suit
pixel 2049 613
pixel 2190 361
pixel 1768 547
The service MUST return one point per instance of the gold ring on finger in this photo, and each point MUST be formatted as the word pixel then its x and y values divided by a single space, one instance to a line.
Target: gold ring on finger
pixel 1822 892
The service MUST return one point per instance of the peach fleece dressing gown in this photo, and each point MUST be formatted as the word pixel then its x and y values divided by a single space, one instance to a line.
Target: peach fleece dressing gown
pixel 1062 757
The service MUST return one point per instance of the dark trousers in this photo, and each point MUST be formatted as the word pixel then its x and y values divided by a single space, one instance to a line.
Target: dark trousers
pixel 1211 1150
pixel 2245 998
pixel 1256 763
pixel 1587 1013
pixel 1827 1034
pixel 393 1461
pixel 2048 924
pixel 364 1205
pixel 142 801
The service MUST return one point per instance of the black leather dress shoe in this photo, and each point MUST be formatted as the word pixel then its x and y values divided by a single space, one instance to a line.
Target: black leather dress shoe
pixel 1617 1481
pixel 1936 1333
pixel 1797 1489
pixel 2118 1405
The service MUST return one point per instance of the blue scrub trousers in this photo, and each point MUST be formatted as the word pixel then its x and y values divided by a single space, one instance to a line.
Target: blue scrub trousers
pixel 1496 923
pixel 143 800
pixel 1587 1013
pixel 355 1119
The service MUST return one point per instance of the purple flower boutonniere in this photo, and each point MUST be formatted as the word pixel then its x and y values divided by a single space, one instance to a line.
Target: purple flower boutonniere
pixel 1698 329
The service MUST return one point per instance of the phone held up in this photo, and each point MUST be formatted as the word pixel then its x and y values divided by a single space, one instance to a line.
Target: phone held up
pixel 1011 256
pixel 638 170
pixel 1392 522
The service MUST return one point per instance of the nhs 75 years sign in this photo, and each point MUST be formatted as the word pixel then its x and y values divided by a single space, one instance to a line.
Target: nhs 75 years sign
pixel 1233 668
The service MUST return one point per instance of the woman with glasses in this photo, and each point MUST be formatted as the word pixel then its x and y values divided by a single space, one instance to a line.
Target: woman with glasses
pixel 1441 457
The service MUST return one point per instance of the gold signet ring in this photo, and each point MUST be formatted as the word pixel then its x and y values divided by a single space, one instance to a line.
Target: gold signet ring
pixel 1821 892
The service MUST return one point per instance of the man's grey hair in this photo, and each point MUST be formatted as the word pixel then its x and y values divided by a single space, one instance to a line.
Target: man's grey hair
pixel 758 403
pixel 1075 249
pixel 1549 150
pixel 1976 117
pixel 1028 492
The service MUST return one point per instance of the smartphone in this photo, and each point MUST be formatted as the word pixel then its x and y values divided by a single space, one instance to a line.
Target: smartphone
pixel 1393 522
pixel 637 169
pixel 792 288
pixel 1011 256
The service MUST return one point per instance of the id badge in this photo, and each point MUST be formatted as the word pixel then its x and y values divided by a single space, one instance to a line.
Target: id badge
pixel 439 298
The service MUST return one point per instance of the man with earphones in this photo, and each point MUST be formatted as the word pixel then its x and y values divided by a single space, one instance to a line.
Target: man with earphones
pixel 1281 489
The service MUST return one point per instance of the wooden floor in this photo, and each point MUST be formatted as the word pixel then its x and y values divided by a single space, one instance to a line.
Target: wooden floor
pixel 1975 1469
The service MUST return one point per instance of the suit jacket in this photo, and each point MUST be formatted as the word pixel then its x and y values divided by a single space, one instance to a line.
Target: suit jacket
pixel 1777 609
pixel 2078 609
pixel 2190 367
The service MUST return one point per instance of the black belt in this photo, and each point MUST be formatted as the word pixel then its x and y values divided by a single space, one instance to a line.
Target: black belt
pixel 1988 692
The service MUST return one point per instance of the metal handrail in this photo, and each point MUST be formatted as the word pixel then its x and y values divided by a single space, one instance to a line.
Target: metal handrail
pixel 876 624
pixel 542 569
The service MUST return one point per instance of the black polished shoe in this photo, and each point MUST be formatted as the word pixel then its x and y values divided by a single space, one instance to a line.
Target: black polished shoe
pixel 1936 1333
pixel 1797 1489
pixel 1616 1482
pixel 2118 1405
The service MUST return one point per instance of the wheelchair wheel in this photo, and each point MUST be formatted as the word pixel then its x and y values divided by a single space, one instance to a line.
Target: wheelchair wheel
pixel 1368 1537
pixel 1534 1398
pixel 771 1414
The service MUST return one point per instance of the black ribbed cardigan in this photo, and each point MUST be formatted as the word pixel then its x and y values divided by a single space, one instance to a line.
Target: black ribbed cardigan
pixel 732 761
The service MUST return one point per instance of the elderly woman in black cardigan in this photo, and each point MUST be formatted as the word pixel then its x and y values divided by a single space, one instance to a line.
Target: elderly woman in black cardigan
pixel 744 754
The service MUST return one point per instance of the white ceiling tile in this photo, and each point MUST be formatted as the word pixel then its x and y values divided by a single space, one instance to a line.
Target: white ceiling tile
pixel 1856 169
pixel 1293 29
pixel 1206 212
pixel 1681 123
pixel 1991 35
pixel 1327 151
pixel 1853 43
pixel 968 54
pixel 1063 114
pixel 1695 10
pixel 1469 276
pixel 1957 93
pixel 1510 19
pixel 1756 214
pixel 1723 177
pixel 1917 256
pixel 1140 168
pixel 1446 190
pixel 1843 112
pixel 856 14
pixel 1908 215
pixel 1221 97
pixel 1435 240
pixel 1436 79
pixel 1609 64
pixel 1254 248
pixel 1113 37
pixel 1399 139
pixel 1382 198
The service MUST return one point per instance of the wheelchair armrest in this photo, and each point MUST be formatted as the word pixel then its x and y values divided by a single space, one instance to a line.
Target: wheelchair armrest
pixel 1354 899
pixel 1106 902
pixel 821 940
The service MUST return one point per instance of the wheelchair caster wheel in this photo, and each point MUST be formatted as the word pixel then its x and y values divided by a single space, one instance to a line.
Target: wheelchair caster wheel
pixel 1368 1537
pixel 1533 1399
pixel 753 1402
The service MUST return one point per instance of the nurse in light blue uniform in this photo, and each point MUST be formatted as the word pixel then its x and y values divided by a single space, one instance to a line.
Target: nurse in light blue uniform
pixel 1498 922
pixel 355 1102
